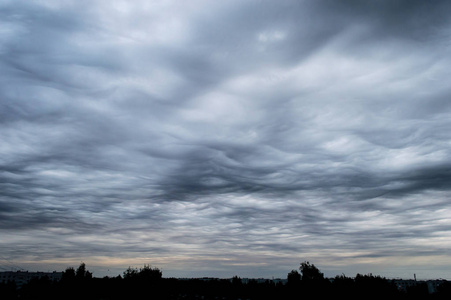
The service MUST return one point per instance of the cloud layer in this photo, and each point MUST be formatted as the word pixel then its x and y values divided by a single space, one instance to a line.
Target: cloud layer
pixel 219 139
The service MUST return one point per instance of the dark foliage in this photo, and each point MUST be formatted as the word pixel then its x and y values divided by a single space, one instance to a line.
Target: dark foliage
pixel 293 278
pixel 148 283
pixel 310 272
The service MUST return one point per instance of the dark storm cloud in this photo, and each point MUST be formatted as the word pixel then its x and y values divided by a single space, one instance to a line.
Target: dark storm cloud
pixel 226 137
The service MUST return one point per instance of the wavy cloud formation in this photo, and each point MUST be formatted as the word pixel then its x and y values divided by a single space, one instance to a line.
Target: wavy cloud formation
pixel 214 139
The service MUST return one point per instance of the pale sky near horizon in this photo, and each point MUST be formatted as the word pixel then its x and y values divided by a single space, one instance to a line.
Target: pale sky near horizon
pixel 221 138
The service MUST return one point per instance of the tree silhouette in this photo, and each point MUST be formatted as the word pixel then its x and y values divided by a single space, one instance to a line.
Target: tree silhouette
pixel 147 273
pixel 131 273
pixel 147 283
pixel 68 274
pixel 310 271
pixel 293 277
pixel 82 273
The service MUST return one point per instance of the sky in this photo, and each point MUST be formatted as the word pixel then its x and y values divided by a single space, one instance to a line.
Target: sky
pixel 222 138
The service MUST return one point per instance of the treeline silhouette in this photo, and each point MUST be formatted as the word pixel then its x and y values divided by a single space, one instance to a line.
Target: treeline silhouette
pixel 148 283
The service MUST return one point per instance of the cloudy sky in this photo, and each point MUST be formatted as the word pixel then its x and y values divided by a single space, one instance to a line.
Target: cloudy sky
pixel 221 138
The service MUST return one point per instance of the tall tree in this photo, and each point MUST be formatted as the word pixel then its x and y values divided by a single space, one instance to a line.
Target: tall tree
pixel 149 273
pixel 69 274
pixel 310 271
pixel 82 273
pixel 293 277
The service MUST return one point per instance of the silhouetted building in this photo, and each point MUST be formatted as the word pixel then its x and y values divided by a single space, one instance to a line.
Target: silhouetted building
pixel 432 285
pixel 23 277
pixel 403 285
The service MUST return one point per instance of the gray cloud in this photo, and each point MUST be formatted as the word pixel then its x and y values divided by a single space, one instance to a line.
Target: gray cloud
pixel 221 139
